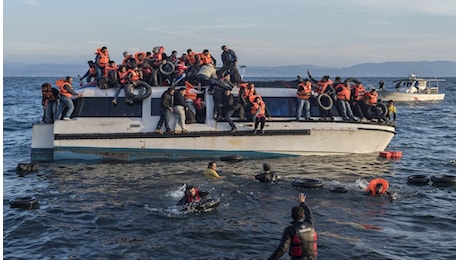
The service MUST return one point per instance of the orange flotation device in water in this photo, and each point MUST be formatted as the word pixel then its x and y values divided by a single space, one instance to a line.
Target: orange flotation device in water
pixel 371 188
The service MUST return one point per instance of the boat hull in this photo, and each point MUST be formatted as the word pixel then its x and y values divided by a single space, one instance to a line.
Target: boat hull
pixel 409 97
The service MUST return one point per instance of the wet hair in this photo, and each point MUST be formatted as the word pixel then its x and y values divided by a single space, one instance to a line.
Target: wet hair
pixel 266 167
pixel 378 187
pixel 210 164
pixel 297 213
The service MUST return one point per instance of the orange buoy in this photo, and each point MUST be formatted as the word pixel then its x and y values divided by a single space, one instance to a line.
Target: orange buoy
pixel 391 154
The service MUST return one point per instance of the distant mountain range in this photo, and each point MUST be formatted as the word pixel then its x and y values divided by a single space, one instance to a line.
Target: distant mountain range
pixel 385 69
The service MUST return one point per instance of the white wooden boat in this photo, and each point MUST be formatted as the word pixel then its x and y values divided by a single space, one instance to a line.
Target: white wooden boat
pixel 101 131
pixel 413 89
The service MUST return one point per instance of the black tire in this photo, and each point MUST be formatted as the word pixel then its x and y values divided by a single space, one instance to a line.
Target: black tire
pixel 24 203
pixel 325 101
pixel 443 179
pixel 231 158
pixel 354 80
pixel 144 90
pixel 339 189
pixel 308 183
pixel 167 68
pixel 112 77
pixel 418 179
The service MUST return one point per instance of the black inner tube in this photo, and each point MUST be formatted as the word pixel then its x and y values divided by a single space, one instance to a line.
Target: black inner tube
pixel 308 183
pixel 144 90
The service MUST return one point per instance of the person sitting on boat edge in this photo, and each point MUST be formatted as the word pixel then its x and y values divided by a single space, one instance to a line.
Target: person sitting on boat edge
pixel 191 195
pixel 211 171
pixel 300 238
pixel 267 176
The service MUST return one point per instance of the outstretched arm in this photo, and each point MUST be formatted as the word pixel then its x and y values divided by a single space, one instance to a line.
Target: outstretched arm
pixel 308 213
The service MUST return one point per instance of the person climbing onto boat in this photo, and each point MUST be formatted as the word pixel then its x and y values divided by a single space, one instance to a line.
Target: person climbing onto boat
pixel 267 176
pixel 191 195
pixel 319 87
pixel 65 98
pixel 260 112
pixel 50 97
pixel 102 58
pixel 230 106
pixel 211 171
pixel 303 99
pixel 122 81
pixel 377 186
pixel 90 73
pixel 166 107
pixel 111 75
pixel 230 61
pixel 300 238
pixel 391 111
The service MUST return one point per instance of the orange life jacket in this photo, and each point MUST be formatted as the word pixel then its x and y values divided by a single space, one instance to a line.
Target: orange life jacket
pixel 189 94
pixel 103 57
pixel 125 59
pixel 343 92
pixel 136 58
pixel 205 59
pixel 158 57
pixel 61 83
pixel 371 188
pixel 123 76
pixel 359 92
pixel 304 90
pixel 134 75
pixel 371 98
pixel 191 58
pixel 255 106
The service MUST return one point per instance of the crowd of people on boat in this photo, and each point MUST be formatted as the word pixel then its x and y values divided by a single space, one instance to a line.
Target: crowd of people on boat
pixel 192 70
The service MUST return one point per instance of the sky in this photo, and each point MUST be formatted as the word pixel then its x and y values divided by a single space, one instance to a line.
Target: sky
pixel 328 33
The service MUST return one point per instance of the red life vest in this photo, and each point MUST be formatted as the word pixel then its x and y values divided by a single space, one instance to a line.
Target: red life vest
pixel 136 58
pixel 191 60
pixel 195 198
pixel 123 76
pixel 359 91
pixel 371 188
pixel 304 90
pixel 189 94
pixel 134 75
pixel 321 86
pixel 371 98
pixel 343 92
pixel 103 57
pixel 205 59
pixel 61 83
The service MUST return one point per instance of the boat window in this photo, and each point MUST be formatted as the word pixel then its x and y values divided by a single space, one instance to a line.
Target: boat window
pixel 281 106
pixel 155 106
pixel 102 107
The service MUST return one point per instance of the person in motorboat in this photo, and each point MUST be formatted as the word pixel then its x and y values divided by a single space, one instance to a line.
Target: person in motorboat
pixel 267 176
pixel 101 59
pixel 192 195
pixel 299 238
pixel 357 100
pixel 211 171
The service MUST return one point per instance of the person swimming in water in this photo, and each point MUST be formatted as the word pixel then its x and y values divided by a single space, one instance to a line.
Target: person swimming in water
pixel 267 176
pixel 191 195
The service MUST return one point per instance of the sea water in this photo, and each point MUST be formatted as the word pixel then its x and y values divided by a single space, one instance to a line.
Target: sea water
pixel 91 210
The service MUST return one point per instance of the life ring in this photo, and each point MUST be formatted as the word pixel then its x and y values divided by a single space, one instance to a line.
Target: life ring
pixel 443 179
pixel 379 112
pixel 354 80
pixel 143 90
pixel 112 77
pixel 167 68
pixel 231 158
pixel 339 189
pixel 308 183
pixel 24 203
pixel 325 98
pixel 418 179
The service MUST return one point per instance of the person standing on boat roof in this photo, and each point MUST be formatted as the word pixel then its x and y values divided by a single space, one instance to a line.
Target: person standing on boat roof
pixel 66 92
pixel 211 171
pixel 166 106
pixel 179 110
pixel 260 112
pixel 300 238
pixel 102 58
pixel 229 63
pixel 303 99
pixel 267 176
pixel 230 106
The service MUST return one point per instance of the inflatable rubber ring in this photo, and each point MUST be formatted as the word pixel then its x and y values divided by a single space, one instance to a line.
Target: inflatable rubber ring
pixel 24 203
pixel 144 90
pixel 418 179
pixel 354 80
pixel 338 189
pixel 327 97
pixel 231 158
pixel 167 68
pixel 308 183
pixel 443 179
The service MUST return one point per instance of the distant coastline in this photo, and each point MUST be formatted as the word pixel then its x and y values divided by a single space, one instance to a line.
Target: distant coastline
pixel 384 69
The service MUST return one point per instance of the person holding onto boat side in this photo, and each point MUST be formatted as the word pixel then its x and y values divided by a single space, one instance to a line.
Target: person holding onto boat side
pixel 267 176
pixel 230 106
pixel 166 107
pixel 211 171
pixel 191 195
pixel 50 97
pixel 179 108
pixel 357 100
pixel 90 73
pixel 343 92
pixel 300 238
pixel 391 108
pixel 229 63
pixel 102 58
pixel 303 99
pixel 260 112
pixel 65 99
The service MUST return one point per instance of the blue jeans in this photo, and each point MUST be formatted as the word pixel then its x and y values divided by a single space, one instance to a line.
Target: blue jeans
pixel 164 118
pixel 50 112
pixel 303 108
pixel 344 109
pixel 64 102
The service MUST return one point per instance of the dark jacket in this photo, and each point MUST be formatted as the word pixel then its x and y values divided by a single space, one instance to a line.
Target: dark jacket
pixel 229 57
pixel 307 235
pixel 267 177
pixel 229 102
pixel 179 99
pixel 166 100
